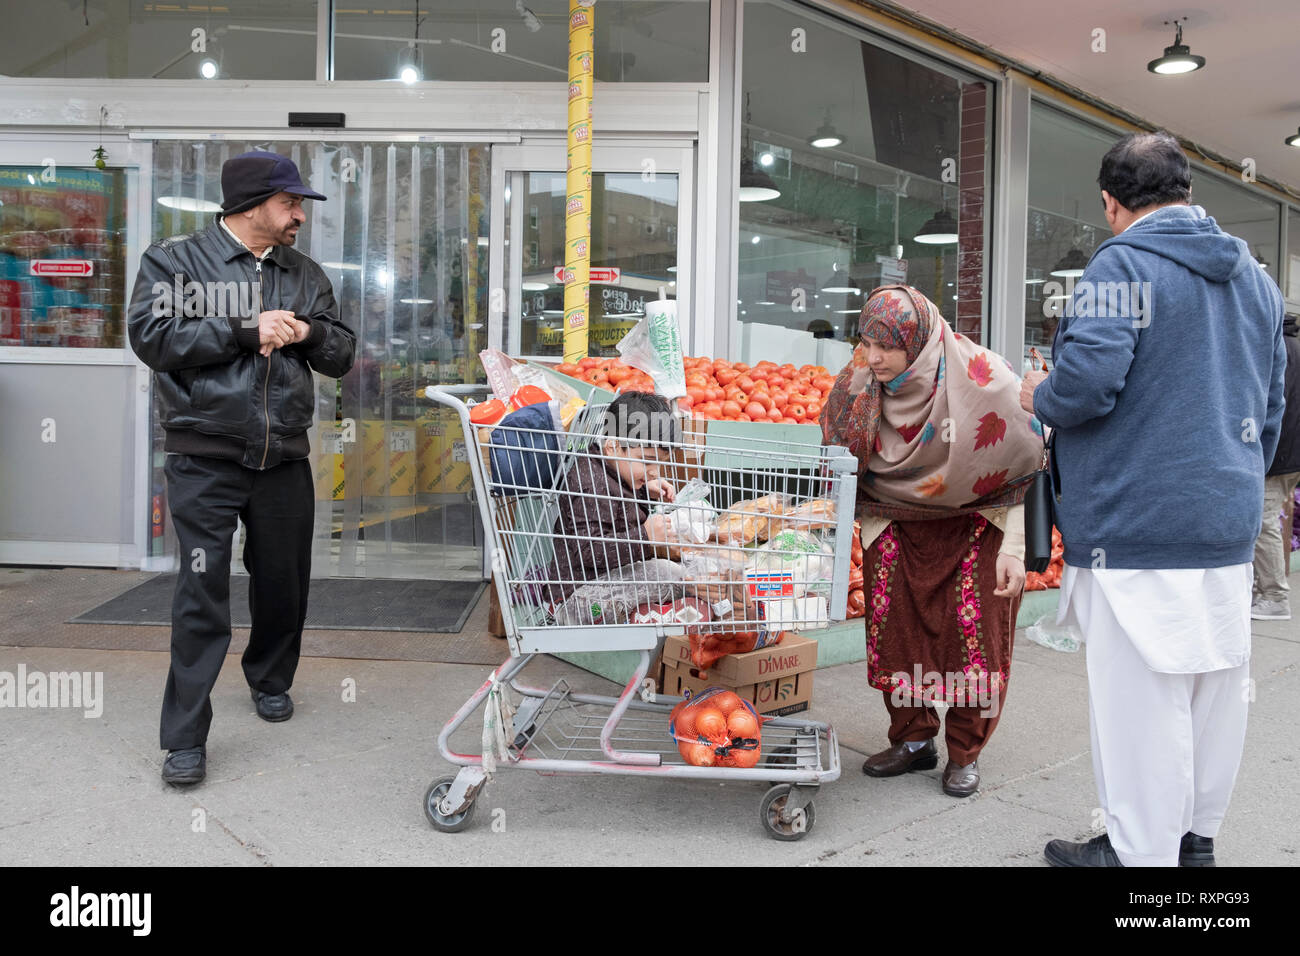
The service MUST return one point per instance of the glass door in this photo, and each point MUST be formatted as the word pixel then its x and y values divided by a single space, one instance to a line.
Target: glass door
pixel 403 239
pixel 640 230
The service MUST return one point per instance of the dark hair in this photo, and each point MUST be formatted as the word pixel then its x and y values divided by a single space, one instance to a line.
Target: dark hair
pixel 641 418
pixel 1146 169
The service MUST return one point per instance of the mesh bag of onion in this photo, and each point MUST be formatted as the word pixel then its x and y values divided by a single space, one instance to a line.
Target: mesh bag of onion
pixel 717 728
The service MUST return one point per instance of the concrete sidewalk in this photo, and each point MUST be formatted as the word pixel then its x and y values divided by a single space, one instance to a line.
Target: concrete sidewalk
pixel 342 783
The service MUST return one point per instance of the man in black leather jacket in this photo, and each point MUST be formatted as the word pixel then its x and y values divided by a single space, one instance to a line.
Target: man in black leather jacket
pixel 233 321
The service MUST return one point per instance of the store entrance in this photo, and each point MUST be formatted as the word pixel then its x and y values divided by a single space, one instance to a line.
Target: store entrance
pixel 403 239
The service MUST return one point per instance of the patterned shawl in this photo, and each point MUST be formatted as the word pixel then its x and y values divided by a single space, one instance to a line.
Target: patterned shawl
pixel 947 436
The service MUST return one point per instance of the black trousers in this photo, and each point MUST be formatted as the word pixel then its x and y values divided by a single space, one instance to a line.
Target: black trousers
pixel 207 497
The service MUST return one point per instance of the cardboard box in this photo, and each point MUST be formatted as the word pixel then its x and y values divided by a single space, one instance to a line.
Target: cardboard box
pixel 777 680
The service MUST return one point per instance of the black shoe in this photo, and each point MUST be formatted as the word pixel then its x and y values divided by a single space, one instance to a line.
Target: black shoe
pixel 1196 851
pixel 185 766
pixel 1096 852
pixel 273 707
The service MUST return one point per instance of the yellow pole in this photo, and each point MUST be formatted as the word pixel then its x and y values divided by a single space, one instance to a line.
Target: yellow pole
pixel 577 221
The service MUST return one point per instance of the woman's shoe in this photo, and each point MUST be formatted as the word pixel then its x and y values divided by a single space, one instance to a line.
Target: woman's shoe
pixel 899 760
pixel 959 781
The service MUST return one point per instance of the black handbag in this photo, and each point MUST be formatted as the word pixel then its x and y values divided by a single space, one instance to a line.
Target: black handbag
pixel 1040 512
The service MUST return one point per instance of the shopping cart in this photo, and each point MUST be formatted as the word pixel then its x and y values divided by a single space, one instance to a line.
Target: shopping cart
pixel 797 497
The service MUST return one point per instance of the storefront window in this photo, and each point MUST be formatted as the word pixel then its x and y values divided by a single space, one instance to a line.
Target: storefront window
pixel 1249 217
pixel 1065 222
pixel 62 256
pixel 134 39
pixel 633 255
pixel 876 170
pixel 505 41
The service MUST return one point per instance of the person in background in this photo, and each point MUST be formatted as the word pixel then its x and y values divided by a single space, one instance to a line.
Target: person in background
pixel 1166 403
pixel 935 422
pixel 1272 594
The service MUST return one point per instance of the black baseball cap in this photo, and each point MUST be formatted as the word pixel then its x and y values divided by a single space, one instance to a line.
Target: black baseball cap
pixel 250 179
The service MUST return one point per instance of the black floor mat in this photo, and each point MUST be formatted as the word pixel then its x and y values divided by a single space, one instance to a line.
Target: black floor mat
pixel 344 604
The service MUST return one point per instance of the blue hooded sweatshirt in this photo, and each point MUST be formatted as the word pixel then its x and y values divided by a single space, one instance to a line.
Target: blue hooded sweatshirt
pixel 1166 397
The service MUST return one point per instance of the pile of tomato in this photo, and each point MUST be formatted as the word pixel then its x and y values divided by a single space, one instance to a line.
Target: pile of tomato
pixel 725 391
pixel 857 606
pixel 608 373
pixel 1051 578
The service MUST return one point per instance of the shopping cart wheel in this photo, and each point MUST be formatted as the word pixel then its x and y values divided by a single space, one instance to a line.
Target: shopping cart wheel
pixel 448 823
pixel 773 806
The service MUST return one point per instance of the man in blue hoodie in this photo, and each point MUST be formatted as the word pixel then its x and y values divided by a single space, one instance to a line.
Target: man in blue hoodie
pixel 1166 400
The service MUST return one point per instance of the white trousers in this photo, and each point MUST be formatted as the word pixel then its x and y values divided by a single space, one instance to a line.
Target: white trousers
pixel 1165 747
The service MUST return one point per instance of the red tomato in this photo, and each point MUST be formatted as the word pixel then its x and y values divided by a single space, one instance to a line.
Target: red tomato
pixel 730 409
pixel 796 411
pixel 726 376
pixel 787 420
pixel 774 415
pixel 716 394
pixel 814 410
pixel 697 395
pixel 746 384
pixel 762 398
pixel 756 411
pixel 740 367
pixel 824 383
pixel 685 403
pixel 588 362
pixel 568 368
pixel 780 399
pixel 742 417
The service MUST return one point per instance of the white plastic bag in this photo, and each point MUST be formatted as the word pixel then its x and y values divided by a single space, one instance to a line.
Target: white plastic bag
pixel 654 345
pixel 1059 637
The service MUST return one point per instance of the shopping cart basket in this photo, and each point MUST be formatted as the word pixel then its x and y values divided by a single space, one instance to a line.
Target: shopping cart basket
pixel 797 498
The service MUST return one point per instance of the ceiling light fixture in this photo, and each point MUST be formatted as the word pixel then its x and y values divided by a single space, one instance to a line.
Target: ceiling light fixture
pixel 826 136
pixel 208 68
pixel 1178 58
pixel 755 185
pixel 939 230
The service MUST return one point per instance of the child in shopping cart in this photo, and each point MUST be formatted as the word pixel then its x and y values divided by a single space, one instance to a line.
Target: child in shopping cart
pixel 609 549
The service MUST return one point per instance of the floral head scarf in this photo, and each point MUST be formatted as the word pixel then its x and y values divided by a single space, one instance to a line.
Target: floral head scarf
pixel 944 434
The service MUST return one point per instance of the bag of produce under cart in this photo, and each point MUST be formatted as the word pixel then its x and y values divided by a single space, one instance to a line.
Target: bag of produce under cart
pixel 717 728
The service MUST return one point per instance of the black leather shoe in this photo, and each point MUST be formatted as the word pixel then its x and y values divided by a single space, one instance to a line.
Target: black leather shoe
pixel 899 760
pixel 959 781
pixel 1096 852
pixel 273 707
pixel 1196 851
pixel 185 766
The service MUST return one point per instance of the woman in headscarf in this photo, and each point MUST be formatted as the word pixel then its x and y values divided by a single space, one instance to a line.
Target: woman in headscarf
pixel 945 453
